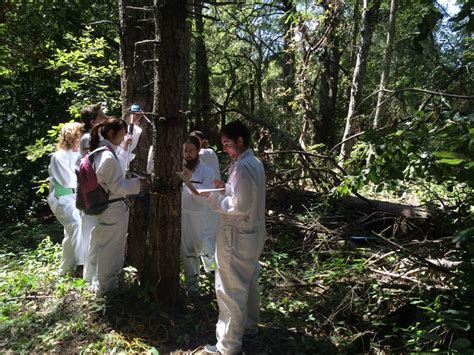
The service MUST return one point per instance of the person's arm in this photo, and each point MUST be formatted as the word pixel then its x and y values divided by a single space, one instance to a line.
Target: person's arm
pixel 60 170
pixel 128 144
pixel 110 173
pixel 239 200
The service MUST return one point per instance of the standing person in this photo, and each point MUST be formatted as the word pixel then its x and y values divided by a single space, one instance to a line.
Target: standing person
pixel 194 210
pixel 239 242
pixel 107 246
pixel 209 157
pixel 62 199
pixel 91 116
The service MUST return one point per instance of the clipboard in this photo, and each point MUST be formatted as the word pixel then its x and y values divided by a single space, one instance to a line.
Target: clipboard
pixel 193 189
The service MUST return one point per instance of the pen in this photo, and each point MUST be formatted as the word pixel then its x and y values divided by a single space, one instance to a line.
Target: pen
pixel 195 182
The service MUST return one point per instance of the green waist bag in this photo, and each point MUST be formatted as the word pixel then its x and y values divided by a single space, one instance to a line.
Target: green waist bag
pixel 59 190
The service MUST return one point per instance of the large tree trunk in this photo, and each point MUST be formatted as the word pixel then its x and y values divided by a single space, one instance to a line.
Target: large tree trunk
pixel 369 17
pixel 386 62
pixel 171 77
pixel 202 97
pixel 137 74
pixel 324 128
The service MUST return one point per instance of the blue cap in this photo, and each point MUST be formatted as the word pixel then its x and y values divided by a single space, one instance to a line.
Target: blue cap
pixel 135 108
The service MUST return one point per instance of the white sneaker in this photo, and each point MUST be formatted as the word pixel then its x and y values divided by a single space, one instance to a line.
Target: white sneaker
pixel 211 349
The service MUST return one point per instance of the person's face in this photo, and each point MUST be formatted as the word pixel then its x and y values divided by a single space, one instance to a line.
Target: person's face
pixel 232 148
pixel 205 143
pixel 116 138
pixel 190 152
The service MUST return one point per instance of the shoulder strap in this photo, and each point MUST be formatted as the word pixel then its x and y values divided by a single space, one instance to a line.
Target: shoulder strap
pixel 100 149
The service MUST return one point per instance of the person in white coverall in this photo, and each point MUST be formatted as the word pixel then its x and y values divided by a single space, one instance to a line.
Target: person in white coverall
pixel 107 246
pixel 91 116
pixel 239 242
pixel 194 212
pixel 62 197
pixel 209 157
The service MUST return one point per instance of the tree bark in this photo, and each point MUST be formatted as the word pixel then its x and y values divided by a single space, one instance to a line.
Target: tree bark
pixel 137 74
pixel 289 60
pixel 369 17
pixel 386 63
pixel 202 97
pixel 170 103
pixel 324 127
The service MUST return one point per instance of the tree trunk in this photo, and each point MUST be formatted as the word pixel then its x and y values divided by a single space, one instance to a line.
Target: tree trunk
pixel 202 97
pixel 171 77
pixel 137 74
pixel 369 17
pixel 324 128
pixel 386 62
pixel 288 66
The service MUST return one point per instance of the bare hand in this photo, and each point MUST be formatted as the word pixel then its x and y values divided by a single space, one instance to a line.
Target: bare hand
pixel 188 173
pixel 127 143
pixel 205 194
pixel 219 184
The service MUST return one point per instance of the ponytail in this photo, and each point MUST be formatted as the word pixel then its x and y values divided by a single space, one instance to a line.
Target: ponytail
pixel 101 130
pixel 95 137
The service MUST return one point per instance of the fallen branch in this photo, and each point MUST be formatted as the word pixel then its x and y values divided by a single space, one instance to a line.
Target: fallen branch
pixel 417 257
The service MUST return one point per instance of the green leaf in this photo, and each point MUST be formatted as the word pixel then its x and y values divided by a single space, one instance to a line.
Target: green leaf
pixel 450 161
pixel 445 154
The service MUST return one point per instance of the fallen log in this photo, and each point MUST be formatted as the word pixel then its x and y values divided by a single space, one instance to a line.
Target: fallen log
pixel 396 209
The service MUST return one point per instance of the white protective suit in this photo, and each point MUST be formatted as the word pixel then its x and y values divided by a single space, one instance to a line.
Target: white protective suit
pixel 107 245
pixel 194 212
pixel 239 244
pixel 89 222
pixel 209 157
pixel 62 201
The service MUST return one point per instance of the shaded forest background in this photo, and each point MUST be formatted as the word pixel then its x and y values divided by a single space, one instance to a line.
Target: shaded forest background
pixel 362 112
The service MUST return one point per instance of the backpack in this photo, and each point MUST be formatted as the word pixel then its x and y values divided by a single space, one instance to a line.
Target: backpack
pixel 91 198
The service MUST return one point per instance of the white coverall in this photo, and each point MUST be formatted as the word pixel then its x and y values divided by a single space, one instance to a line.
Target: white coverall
pixel 107 245
pixel 62 172
pixel 194 212
pixel 239 244
pixel 89 222
pixel 209 157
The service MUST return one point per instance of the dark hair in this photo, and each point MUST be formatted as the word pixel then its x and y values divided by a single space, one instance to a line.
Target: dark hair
pixel 110 124
pixel 88 114
pixel 193 140
pixel 235 129
pixel 198 134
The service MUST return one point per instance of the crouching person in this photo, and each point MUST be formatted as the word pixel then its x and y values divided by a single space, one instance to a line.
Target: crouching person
pixel 107 246
pixel 62 198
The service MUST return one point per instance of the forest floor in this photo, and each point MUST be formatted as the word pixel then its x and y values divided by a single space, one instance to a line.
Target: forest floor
pixel 333 280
